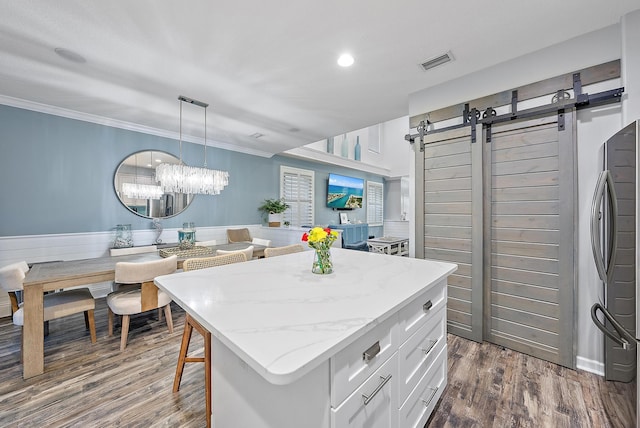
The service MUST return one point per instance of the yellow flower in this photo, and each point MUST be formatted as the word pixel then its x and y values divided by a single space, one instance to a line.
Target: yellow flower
pixel 320 237
pixel 317 234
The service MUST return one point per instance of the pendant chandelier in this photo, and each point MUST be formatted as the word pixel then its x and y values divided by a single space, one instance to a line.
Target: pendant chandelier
pixel 181 178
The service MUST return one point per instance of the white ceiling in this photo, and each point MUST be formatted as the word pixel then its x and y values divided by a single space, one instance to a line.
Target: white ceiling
pixel 266 67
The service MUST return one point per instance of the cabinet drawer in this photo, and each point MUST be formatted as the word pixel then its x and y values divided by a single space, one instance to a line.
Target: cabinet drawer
pixel 417 354
pixel 415 314
pixel 350 367
pixel 422 400
pixel 381 410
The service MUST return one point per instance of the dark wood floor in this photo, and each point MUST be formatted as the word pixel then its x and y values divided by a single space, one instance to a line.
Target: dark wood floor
pixel 489 386
pixel 87 385
pixel 99 386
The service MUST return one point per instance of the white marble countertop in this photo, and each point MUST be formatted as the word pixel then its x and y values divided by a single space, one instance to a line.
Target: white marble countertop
pixel 283 320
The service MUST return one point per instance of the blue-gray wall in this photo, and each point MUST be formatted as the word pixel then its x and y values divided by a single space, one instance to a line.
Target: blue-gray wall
pixel 56 176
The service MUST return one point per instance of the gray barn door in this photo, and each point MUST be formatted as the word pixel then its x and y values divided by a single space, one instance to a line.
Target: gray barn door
pixel 504 211
pixel 449 222
pixel 530 237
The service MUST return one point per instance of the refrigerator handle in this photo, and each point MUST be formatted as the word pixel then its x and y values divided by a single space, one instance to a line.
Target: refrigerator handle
pixel 623 338
pixel 604 182
pixel 613 242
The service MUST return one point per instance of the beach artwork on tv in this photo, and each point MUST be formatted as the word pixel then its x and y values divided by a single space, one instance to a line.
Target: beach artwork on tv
pixel 344 192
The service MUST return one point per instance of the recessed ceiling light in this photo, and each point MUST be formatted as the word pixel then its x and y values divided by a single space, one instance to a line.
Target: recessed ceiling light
pixel 70 55
pixel 345 60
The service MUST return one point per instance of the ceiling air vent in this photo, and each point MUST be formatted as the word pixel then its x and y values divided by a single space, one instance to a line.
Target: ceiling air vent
pixel 439 60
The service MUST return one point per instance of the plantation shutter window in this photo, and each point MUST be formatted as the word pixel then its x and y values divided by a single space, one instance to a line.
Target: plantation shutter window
pixel 375 206
pixel 297 190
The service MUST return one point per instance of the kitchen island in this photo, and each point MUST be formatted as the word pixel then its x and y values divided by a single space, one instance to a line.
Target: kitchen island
pixel 365 345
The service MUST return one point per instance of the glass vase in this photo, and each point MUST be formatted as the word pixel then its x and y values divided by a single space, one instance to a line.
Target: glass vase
pixel 124 237
pixel 187 236
pixel 322 263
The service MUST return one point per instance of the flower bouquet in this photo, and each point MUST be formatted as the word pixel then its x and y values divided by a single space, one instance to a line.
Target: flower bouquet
pixel 321 240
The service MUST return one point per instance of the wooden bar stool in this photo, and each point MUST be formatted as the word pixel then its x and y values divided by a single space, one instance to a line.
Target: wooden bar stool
pixel 190 323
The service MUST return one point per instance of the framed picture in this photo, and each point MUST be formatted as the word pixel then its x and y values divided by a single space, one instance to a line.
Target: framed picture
pixel 344 218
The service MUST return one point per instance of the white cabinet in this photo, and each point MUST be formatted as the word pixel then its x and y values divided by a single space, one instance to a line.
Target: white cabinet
pixel 417 354
pixel 357 362
pixel 374 403
pixel 422 400
pixel 394 375
pixel 416 313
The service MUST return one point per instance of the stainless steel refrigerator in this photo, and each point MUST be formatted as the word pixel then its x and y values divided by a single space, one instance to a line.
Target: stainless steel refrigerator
pixel 613 239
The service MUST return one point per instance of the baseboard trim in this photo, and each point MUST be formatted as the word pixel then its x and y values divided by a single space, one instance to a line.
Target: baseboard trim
pixel 591 366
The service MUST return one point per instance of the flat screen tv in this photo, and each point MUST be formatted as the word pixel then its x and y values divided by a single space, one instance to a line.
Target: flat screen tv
pixel 344 192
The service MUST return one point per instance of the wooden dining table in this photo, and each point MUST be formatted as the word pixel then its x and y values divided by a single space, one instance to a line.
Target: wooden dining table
pixel 50 276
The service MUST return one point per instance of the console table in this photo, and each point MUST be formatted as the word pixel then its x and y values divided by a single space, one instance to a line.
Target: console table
pixel 363 346
pixel 389 245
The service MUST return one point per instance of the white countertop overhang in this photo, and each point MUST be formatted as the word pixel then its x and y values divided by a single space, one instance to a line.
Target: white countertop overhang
pixel 283 320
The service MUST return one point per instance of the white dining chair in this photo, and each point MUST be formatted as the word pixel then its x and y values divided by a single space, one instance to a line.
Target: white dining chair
pixel 136 299
pixel 56 305
pixel 248 252
pixel 260 241
pixel 129 251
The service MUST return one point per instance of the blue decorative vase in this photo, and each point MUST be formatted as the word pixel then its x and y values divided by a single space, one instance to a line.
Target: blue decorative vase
pixel 356 149
pixel 330 145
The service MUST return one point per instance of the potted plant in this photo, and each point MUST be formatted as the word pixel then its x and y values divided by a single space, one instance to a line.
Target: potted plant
pixel 274 208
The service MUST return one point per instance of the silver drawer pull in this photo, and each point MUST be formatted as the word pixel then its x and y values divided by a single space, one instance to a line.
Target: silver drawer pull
pixel 367 399
pixel 433 394
pixel 432 343
pixel 371 352
pixel 427 306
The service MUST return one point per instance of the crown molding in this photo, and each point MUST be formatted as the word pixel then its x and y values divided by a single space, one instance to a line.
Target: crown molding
pixel 121 124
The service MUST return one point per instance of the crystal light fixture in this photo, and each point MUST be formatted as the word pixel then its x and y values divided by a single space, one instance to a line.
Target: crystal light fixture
pixel 181 178
pixel 141 191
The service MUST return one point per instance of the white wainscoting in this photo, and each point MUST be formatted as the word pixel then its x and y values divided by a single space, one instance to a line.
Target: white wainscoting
pixel 78 246
pixel 396 228
pixel 281 236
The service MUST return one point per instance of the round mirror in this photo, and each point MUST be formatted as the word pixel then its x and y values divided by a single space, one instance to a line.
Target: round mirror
pixel 136 186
